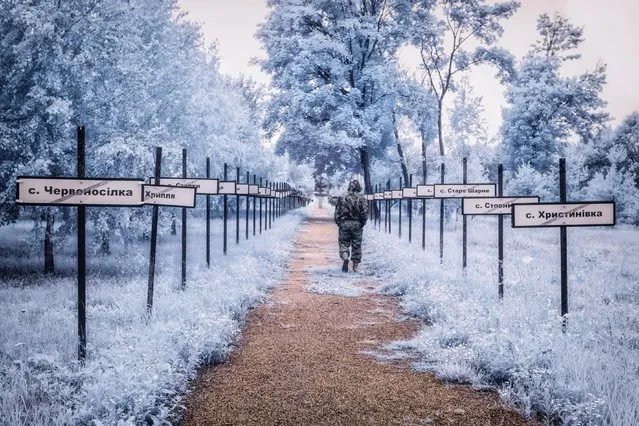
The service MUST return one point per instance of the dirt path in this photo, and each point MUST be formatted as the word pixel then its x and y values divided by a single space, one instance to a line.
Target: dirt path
pixel 303 359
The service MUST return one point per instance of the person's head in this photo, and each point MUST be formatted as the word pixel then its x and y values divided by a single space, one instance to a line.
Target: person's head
pixel 354 186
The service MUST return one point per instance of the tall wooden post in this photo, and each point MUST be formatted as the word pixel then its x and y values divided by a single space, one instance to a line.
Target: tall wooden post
pixel 441 219
pixel 500 237
pixel 82 316
pixel 208 216
pixel 563 234
pixel 464 223
pixel 225 218
pixel 183 225
pixel 410 212
pixel 237 207
pixel 154 236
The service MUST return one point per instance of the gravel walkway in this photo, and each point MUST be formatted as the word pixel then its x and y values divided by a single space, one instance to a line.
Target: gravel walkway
pixel 305 359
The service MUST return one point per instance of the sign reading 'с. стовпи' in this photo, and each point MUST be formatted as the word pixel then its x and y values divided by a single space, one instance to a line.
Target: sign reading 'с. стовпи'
pixel 494 205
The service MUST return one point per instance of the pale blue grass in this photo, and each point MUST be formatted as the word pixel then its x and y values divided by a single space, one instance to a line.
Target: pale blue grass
pixel 137 369
pixel 587 375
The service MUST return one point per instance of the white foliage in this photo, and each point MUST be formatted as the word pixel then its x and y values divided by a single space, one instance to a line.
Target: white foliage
pixel 585 376
pixel 137 370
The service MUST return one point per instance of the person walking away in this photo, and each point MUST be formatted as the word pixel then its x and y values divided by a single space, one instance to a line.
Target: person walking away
pixel 351 213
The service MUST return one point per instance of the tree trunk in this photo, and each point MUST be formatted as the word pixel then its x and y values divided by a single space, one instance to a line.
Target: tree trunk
pixel 366 167
pixel 424 169
pixel 105 246
pixel 49 266
pixel 440 136
pixel 400 151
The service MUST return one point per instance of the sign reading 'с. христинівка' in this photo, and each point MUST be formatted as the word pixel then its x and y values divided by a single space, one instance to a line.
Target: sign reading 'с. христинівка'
pixel 583 213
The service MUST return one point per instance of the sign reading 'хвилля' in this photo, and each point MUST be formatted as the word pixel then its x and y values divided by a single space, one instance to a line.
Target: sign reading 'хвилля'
pixel 169 195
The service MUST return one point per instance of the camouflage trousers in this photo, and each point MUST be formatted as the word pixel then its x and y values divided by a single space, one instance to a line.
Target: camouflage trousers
pixel 350 236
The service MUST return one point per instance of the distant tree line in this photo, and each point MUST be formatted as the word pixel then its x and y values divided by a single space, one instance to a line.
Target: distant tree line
pixel 137 75
pixel 342 100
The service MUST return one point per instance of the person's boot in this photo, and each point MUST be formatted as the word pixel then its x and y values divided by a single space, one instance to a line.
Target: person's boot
pixel 345 264
pixel 355 266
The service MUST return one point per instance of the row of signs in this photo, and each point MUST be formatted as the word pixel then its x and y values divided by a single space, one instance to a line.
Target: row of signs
pixel 437 191
pixel 130 192
pixel 221 187
pixel 526 212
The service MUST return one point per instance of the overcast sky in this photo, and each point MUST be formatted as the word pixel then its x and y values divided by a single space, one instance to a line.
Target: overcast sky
pixel 610 30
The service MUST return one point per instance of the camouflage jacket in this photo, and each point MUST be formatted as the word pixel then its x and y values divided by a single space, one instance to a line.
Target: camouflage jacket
pixel 351 207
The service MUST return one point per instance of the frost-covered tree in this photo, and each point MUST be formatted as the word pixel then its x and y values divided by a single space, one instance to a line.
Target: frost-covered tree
pixel 136 75
pixel 454 35
pixel 40 73
pixel 624 140
pixel 617 182
pixel 608 168
pixel 558 38
pixel 467 120
pixel 546 109
pixel 627 136
pixel 330 63
pixel 416 107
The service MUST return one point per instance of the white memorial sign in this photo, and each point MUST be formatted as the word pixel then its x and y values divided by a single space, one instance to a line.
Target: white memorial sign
pixel 227 187
pixel 584 213
pixel 388 195
pixel 167 195
pixel 425 191
pixel 465 190
pixel 409 193
pixel 370 197
pixel 494 205
pixel 379 195
pixel 242 189
pixel 79 191
pixel 254 189
pixel 203 186
pixel 397 194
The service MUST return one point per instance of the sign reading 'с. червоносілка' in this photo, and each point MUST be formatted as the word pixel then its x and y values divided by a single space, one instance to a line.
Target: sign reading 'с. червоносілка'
pixel 79 191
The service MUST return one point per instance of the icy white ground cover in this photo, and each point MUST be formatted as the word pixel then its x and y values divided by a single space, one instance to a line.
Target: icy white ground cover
pixel 587 375
pixel 137 370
